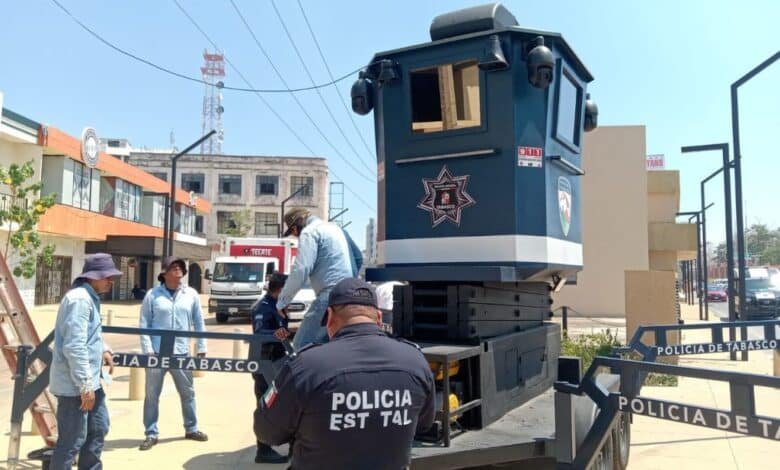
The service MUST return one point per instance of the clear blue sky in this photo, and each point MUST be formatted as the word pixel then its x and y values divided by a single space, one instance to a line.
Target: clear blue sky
pixel 666 64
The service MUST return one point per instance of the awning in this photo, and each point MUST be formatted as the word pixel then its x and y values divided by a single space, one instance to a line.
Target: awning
pixel 149 247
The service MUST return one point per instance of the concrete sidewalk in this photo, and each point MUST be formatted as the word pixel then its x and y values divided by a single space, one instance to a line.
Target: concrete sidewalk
pixel 226 402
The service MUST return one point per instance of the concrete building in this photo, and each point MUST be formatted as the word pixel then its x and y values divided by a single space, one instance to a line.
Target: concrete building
pixel 631 244
pixel 235 183
pixel 103 205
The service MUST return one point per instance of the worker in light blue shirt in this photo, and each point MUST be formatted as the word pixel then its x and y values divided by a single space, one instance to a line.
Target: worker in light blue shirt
pixel 171 306
pixel 326 255
pixel 77 357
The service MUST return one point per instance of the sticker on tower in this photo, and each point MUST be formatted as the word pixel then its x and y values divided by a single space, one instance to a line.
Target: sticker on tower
pixel 564 204
pixel 445 197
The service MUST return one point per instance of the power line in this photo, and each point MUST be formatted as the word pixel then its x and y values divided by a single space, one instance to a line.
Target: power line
pixel 265 102
pixel 330 74
pixel 297 100
pixel 186 77
pixel 319 93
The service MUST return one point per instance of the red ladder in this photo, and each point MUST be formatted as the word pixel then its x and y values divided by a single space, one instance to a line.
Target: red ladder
pixel 16 329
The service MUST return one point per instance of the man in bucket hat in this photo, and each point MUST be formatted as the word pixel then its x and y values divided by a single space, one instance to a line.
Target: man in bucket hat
pixel 77 358
pixel 171 306
pixel 326 255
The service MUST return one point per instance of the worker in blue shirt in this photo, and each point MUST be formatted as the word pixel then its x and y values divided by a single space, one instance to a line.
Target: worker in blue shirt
pixel 326 255
pixel 77 357
pixel 171 306
pixel 267 320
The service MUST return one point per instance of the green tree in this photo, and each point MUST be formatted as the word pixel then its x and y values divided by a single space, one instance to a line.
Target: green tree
pixel 21 207
pixel 240 223
pixel 771 255
pixel 720 253
pixel 759 238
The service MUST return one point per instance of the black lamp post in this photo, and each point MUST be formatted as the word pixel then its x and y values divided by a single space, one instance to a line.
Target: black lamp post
pixel 168 241
pixel 724 148
pixel 738 174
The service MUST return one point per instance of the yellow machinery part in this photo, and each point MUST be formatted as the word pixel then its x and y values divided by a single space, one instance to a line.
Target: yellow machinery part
pixel 438 371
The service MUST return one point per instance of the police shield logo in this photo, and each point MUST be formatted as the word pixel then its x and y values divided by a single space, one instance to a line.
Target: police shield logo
pixel 564 204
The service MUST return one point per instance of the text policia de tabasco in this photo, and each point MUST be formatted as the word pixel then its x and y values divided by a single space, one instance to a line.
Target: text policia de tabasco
pixel 758 426
pixel 186 363
pixel 706 348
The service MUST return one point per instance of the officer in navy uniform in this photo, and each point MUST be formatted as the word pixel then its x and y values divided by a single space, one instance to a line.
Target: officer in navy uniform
pixel 355 402
pixel 267 320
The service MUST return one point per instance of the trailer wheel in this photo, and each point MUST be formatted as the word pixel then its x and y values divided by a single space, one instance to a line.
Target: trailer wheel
pixel 222 318
pixel 605 458
pixel 621 438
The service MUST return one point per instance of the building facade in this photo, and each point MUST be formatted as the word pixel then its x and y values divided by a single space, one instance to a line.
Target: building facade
pixel 235 184
pixel 101 205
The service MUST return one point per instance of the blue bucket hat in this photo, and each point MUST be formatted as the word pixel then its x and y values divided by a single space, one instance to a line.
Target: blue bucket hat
pixel 99 266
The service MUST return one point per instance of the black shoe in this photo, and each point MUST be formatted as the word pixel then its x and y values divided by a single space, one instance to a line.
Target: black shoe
pixel 266 454
pixel 148 443
pixel 197 436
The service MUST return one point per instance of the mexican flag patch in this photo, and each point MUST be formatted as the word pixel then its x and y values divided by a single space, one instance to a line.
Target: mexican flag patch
pixel 270 395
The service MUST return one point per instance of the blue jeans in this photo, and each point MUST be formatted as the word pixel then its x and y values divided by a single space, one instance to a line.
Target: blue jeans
pixel 154 383
pixel 80 433
pixel 311 330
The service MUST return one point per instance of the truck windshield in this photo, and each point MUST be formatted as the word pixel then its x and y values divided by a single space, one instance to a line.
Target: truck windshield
pixel 239 272
pixel 761 283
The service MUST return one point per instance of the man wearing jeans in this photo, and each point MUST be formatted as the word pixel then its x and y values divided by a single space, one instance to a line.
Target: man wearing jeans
pixel 326 255
pixel 77 357
pixel 171 306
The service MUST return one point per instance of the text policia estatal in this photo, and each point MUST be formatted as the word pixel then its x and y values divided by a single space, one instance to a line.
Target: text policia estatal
pixel 705 348
pixel 186 363
pixel 767 428
pixel 390 407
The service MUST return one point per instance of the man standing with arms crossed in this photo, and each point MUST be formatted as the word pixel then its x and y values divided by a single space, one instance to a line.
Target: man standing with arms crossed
pixel 326 255
pixel 82 417
pixel 171 306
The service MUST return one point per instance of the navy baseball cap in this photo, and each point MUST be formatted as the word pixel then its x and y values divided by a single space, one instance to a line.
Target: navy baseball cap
pixel 351 291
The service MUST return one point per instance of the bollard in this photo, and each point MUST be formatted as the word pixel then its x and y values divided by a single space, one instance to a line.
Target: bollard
pixel 110 318
pixel 237 348
pixel 137 387
pixel 776 362
pixel 194 353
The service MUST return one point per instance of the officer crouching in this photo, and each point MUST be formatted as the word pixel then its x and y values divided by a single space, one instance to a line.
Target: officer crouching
pixel 355 402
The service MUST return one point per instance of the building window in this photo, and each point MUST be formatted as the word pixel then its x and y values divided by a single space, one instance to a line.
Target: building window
pixel 82 186
pixel 198 224
pixel 230 184
pixel 192 182
pixel 445 97
pixel 161 175
pixel 266 223
pixel 296 182
pixel 225 221
pixel 127 199
pixel 185 221
pixel 266 185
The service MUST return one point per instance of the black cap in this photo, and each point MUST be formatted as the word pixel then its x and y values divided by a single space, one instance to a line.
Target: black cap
pixel 170 261
pixel 351 291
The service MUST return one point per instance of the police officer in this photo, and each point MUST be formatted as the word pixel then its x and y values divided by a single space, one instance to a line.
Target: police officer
pixel 355 402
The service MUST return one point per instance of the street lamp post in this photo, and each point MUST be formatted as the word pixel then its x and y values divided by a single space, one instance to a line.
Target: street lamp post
pixel 297 191
pixel 738 172
pixel 724 148
pixel 704 239
pixel 168 242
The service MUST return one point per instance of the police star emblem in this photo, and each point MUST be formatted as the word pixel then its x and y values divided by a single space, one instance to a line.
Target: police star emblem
pixel 445 197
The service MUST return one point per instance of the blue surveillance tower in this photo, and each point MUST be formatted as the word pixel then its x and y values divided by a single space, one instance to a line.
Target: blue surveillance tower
pixel 478 136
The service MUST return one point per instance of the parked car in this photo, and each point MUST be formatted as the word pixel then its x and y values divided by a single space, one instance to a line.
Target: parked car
pixel 762 303
pixel 716 293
